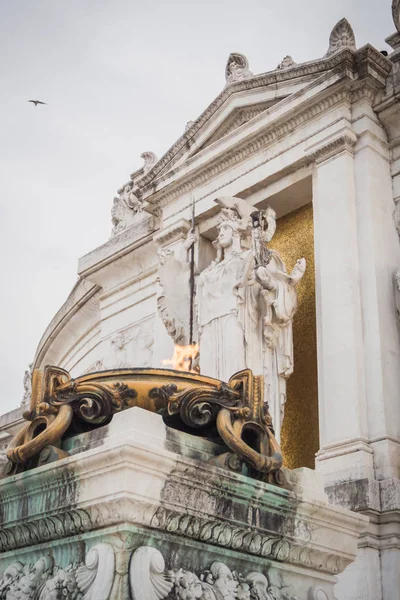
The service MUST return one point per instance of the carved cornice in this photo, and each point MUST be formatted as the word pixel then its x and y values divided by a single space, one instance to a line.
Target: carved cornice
pixel 343 142
pixel 248 540
pixel 217 532
pixel 369 62
pixel 45 529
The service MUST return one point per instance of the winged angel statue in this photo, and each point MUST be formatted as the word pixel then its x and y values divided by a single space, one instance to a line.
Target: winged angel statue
pixel 244 302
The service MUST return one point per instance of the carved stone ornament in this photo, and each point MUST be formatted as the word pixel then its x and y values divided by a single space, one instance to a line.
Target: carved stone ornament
pixel 124 208
pixel 26 398
pixel 150 160
pixel 44 580
pixel 342 36
pixel 234 411
pixel 286 63
pixel 95 367
pixel 149 581
pixel 237 68
pixel 118 357
pixel 396 13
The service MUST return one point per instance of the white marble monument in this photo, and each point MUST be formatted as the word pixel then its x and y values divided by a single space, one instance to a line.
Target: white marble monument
pixel 324 134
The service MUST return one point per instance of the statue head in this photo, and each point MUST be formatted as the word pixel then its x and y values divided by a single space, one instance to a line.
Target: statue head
pixel 226 235
pixel 234 223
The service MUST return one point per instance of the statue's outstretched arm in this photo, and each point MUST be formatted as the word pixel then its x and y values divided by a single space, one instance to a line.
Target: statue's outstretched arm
pixel 298 271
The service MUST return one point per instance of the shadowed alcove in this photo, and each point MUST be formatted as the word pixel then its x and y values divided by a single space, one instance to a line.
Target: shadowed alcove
pixel 294 239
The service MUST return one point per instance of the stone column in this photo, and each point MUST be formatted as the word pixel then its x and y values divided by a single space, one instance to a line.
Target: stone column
pixel 344 452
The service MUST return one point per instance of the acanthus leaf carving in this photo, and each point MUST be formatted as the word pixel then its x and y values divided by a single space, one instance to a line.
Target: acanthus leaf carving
pixel 248 541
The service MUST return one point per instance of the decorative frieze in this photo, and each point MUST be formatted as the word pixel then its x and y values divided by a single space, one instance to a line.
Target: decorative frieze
pixel 44 580
pixel 100 577
pixel 150 581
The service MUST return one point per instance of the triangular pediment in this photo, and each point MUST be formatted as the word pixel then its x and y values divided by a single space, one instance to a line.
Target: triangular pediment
pixel 243 108
pixel 226 118
pixel 238 117
pixel 236 108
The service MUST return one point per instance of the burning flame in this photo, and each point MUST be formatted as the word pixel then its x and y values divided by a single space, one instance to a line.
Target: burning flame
pixel 185 358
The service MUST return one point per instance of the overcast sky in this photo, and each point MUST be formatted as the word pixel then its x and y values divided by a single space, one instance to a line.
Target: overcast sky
pixel 120 77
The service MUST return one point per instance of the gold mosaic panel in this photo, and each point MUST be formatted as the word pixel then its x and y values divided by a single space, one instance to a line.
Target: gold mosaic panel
pixel 294 239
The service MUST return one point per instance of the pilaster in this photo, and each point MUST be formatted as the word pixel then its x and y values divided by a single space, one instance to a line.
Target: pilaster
pixel 344 452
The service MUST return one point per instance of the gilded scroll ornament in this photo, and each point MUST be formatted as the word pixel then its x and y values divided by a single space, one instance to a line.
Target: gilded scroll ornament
pixel 232 413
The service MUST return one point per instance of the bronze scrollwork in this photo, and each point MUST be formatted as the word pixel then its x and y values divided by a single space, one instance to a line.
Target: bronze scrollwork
pixel 234 411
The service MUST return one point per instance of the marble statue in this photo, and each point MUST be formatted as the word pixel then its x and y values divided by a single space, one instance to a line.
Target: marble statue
pixel 244 310
pixel 125 206
pixel 26 398
pixel 237 68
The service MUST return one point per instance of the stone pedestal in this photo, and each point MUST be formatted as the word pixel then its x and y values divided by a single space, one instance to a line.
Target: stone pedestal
pixel 137 512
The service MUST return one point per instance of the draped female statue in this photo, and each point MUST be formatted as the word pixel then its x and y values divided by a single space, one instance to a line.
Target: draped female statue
pixel 244 306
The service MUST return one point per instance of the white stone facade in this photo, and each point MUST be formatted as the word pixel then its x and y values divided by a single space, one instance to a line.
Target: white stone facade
pixel 333 122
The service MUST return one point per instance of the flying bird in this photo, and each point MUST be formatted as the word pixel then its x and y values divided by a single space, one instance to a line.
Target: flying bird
pixel 36 102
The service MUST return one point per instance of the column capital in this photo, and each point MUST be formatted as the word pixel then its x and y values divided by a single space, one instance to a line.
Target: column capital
pixel 174 233
pixel 341 141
